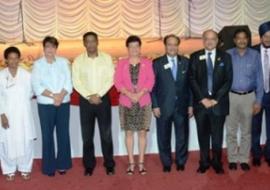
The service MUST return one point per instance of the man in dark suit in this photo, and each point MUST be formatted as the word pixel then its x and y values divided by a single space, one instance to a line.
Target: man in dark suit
pixel 264 49
pixel 171 100
pixel 210 80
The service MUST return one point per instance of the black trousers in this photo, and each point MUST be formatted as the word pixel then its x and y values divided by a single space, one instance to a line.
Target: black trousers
pixel 88 114
pixel 210 128
pixel 164 131
pixel 256 149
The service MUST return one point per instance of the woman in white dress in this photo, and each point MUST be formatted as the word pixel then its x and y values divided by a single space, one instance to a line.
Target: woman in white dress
pixel 17 125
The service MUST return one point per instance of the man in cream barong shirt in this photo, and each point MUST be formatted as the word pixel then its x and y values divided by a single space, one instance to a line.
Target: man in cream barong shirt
pixel 17 125
pixel 92 74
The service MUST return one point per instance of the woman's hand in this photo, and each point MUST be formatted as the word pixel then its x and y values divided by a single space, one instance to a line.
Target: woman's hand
pixel 57 99
pixel 140 94
pixel 133 97
pixel 4 121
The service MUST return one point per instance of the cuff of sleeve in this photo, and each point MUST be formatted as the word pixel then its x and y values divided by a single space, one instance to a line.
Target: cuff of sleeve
pixel 101 94
pixel 154 106
pixel 69 91
pixel 258 102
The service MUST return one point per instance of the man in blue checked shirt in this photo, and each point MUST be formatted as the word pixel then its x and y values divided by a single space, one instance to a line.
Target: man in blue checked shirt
pixel 245 99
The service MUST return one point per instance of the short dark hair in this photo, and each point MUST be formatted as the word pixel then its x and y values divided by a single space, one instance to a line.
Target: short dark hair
pixel 50 39
pixel 90 34
pixel 10 50
pixel 241 30
pixel 133 38
pixel 171 36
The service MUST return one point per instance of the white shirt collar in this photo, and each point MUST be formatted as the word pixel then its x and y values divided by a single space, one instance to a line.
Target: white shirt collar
pixel 213 55
pixel 170 59
pixel 263 49
pixel 213 51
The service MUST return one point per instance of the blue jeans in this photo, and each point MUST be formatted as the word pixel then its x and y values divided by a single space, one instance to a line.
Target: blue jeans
pixel 52 117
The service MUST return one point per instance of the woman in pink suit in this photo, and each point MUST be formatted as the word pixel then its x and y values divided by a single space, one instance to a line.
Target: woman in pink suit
pixel 134 79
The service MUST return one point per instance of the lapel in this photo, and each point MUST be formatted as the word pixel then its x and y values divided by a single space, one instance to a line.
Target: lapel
pixel 217 60
pixel 140 74
pixel 202 60
pixel 167 71
pixel 127 73
pixel 180 68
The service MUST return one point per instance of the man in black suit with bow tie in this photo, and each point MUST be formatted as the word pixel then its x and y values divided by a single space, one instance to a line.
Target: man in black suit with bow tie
pixel 210 79
pixel 171 101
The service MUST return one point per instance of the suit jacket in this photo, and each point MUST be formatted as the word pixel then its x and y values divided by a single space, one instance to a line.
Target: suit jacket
pixel 222 81
pixel 257 47
pixel 169 94
pixel 122 79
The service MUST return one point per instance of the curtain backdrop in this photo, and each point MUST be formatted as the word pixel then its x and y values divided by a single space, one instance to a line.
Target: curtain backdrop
pixel 69 19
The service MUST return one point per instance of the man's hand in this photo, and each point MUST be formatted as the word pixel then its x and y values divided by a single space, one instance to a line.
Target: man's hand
pixel 207 103
pixel 256 108
pixel 4 121
pixel 95 99
pixel 214 102
pixel 190 111
pixel 156 112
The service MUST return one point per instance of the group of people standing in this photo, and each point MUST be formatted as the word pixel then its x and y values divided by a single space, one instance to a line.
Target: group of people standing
pixel 213 85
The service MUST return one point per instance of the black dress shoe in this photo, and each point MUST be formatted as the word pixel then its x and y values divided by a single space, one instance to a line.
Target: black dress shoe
pixel 256 162
pixel 62 172
pixel 245 167
pixel 51 174
pixel 88 172
pixel 180 167
pixel 110 171
pixel 268 162
pixel 202 169
pixel 218 169
pixel 233 166
pixel 166 169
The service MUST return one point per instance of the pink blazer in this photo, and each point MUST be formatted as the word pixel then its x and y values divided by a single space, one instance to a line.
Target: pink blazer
pixel 122 79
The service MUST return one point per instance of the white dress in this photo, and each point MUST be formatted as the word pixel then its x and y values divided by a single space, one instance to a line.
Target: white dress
pixel 15 103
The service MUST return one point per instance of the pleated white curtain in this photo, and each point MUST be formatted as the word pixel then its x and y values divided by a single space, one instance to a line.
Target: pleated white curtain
pixel 205 14
pixel 69 19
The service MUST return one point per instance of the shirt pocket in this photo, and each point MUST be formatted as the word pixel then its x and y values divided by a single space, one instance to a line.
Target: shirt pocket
pixel 250 70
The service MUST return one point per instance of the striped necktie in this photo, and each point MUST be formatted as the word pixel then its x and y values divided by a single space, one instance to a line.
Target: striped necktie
pixel 210 71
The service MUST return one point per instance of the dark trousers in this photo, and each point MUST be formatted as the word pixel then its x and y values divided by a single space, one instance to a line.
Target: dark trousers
pixel 164 131
pixel 88 114
pixel 210 128
pixel 256 149
pixel 52 117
